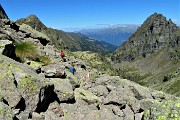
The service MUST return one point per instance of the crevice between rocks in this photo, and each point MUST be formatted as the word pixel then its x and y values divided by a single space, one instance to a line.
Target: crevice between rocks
pixel 137 95
pixel 70 101
pixel 122 106
pixel 5 101
pixel 46 96
pixel 21 105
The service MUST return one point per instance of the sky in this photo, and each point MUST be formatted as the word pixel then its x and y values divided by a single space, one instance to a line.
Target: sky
pixel 72 14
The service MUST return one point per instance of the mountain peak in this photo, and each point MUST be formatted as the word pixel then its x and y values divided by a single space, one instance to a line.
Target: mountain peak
pixel 3 14
pixel 33 21
pixel 33 17
pixel 155 33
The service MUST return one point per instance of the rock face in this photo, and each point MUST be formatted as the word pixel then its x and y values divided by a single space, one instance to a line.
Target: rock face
pixel 156 32
pixel 3 13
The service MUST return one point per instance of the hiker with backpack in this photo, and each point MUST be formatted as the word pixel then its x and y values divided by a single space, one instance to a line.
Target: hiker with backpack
pixel 62 56
pixel 72 68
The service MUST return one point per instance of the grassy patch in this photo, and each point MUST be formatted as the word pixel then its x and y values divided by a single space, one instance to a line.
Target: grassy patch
pixel 45 60
pixel 26 50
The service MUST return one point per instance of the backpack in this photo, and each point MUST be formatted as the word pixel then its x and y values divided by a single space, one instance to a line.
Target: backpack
pixel 62 54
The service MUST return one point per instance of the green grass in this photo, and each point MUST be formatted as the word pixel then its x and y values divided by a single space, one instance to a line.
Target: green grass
pixel 45 60
pixel 26 50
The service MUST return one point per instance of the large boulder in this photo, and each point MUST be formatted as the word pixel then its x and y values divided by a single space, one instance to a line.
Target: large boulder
pixel 19 85
pixel 63 89
pixel 54 71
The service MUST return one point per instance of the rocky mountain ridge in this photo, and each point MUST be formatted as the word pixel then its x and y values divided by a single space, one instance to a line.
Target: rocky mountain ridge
pixel 33 90
pixel 61 39
pixel 156 32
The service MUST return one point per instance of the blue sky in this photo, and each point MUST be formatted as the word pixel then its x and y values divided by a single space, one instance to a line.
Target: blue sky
pixel 63 14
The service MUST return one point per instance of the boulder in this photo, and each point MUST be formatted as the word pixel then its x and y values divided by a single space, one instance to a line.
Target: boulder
pixel 54 71
pixel 44 40
pixel 19 85
pixel 63 89
pixel 129 115
pixel 89 97
pixel 99 90
pixel 5 112
pixel 119 97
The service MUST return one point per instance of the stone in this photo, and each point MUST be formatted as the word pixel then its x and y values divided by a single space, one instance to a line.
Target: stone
pixel 62 88
pixel 5 112
pixel 138 116
pixel 85 95
pixel 99 90
pixel 37 116
pixel 35 34
pixel 129 115
pixel 19 85
pixel 54 71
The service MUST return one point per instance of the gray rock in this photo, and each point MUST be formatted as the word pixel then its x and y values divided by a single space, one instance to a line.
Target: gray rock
pixel 120 96
pixel 99 90
pixel 23 116
pixel 37 116
pixel 115 109
pixel 54 70
pixel 7 48
pixel 23 93
pixel 62 88
pixel 129 115
pixel 89 97
pixel 5 112
pixel 138 116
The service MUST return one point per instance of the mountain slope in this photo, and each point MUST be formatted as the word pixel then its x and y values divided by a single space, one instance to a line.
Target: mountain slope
pixel 115 35
pixel 89 44
pixel 61 39
pixel 151 54
pixel 3 13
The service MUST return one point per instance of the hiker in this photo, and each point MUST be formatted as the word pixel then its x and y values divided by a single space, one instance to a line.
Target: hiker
pixel 62 56
pixel 72 69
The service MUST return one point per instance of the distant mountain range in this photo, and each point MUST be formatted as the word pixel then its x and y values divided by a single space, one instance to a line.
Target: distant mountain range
pixel 115 34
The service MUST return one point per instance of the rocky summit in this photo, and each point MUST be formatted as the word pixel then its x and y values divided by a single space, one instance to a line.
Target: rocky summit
pixel 36 84
pixel 155 33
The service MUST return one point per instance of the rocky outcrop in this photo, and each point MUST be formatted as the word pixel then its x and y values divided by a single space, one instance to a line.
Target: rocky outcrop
pixel 3 13
pixel 10 31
